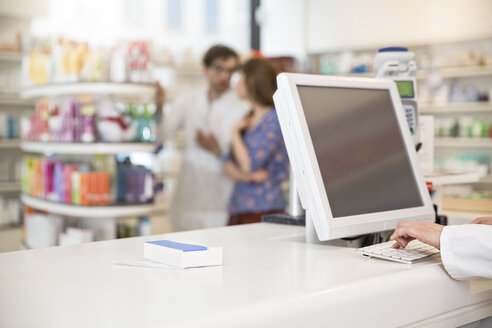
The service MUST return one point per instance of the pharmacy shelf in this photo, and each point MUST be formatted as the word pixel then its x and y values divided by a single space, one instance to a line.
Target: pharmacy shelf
pixel 458 72
pixel 9 143
pixel 10 186
pixel 10 56
pixel 450 142
pixel 450 178
pixel 110 211
pixel 85 148
pixel 459 108
pixel 95 88
pixel 14 100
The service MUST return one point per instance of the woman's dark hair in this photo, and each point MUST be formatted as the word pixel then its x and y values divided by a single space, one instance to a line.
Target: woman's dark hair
pixel 261 80
pixel 216 52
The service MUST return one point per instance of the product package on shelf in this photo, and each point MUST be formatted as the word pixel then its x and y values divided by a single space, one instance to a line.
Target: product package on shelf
pixel 48 230
pixel 9 126
pixel 36 67
pixel 41 230
pixel 86 183
pixel 134 184
pixel 84 119
pixel 465 126
pixel 69 61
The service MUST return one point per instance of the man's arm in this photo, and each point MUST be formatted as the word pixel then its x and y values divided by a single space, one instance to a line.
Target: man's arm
pixel 208 141
pixel 172 122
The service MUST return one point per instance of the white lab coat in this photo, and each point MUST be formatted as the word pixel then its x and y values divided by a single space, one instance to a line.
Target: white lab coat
pixel 466 251
pixel 203 191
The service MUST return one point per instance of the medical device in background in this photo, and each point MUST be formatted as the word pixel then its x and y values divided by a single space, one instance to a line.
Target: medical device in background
pixel 398 64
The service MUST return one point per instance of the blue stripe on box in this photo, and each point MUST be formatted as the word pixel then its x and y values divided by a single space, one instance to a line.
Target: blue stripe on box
pixel 178 246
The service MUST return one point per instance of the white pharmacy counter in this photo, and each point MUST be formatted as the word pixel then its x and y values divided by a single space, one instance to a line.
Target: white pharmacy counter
pixel 270 278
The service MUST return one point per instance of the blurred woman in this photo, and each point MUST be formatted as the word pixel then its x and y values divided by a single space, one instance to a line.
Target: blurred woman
pixel 258 161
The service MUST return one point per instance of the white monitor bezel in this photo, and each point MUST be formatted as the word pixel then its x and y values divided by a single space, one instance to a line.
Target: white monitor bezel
pixel 306 169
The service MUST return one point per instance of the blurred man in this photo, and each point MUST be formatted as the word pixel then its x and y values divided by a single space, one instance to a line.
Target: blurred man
pixel 206 116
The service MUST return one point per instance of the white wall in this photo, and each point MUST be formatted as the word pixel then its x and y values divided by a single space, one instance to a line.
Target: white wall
pixel 352 24
pixel 23 8
pixel 283 28
pixel 104 22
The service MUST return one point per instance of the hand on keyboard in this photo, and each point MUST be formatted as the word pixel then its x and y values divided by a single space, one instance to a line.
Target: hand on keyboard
pixel 426 232
pixel 414 251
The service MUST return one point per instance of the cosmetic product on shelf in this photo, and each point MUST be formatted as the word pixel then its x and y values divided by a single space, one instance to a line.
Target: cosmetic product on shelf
pixel 77 119
pixel 83 184
pixel 69 61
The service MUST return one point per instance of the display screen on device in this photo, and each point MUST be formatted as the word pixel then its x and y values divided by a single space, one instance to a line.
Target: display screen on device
pixel 405 89
pixel 361 154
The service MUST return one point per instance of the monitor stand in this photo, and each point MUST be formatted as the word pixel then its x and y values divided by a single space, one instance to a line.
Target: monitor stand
pixel 297 216
pixel 312 237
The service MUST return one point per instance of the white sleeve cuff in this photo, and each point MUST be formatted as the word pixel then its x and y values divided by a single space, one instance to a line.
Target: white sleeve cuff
pixel 466 251
pixel 447 253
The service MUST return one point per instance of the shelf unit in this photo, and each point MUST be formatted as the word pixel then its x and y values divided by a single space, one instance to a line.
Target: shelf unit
pixel 443 178
pixel 457 142
pixel 92 88
pixel 144 92
pixel 85 148
pixel 457 108
pixel 460 72
pixel 110 211
pixel 12 105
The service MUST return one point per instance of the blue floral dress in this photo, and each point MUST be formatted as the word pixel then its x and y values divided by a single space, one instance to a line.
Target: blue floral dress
pixel 267 151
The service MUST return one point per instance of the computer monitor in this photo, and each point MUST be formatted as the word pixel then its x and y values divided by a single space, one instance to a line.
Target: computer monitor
pixel 351 153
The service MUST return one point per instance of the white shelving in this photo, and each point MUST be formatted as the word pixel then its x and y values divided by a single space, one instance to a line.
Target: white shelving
pixel 459 108
pixel 109 211
pixel 10 186
pixel 447 178
pixel 459 72
pixel 143 92
pixel 452 142
pixel 9 143
pixel 95 88
pixel 85 148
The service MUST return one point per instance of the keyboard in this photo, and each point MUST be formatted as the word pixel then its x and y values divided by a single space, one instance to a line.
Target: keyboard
pixel 415 251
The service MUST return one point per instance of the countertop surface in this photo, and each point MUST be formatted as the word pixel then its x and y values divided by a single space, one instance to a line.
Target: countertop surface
pixel 270 277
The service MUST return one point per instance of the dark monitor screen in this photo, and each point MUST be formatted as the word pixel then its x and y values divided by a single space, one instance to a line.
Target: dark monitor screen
pixel 360 151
